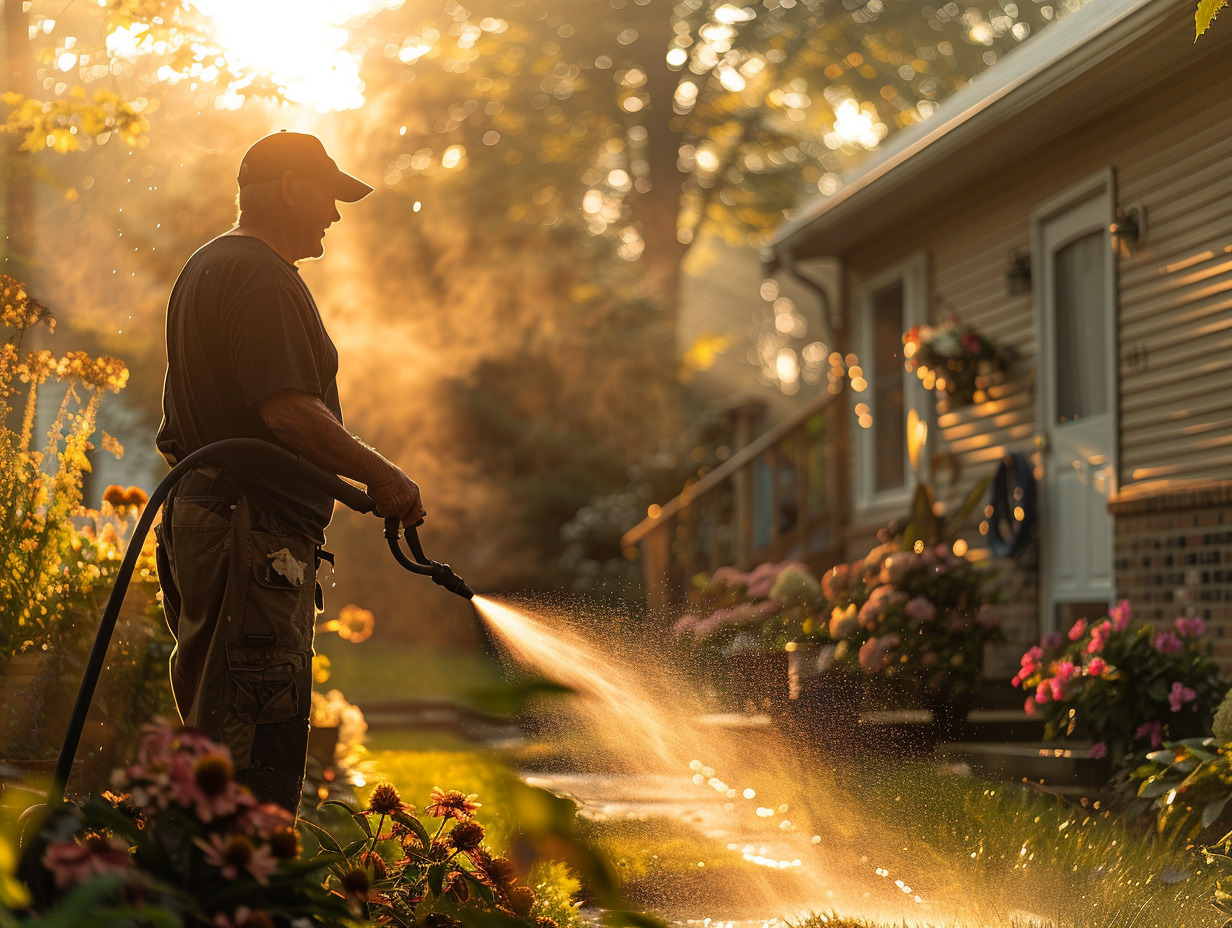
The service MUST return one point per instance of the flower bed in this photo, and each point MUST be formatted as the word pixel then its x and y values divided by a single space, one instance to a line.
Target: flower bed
pixel 1124 687
pixel 180 842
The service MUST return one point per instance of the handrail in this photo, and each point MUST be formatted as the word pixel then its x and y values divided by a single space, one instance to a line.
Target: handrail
pixel 724 472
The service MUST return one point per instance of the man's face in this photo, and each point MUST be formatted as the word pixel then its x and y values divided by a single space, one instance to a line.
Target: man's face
pixel 312 212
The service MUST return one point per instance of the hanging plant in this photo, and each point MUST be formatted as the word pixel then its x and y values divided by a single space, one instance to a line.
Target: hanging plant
pixel 954 360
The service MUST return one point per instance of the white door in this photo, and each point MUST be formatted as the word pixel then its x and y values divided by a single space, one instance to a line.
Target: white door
pixel 1075 297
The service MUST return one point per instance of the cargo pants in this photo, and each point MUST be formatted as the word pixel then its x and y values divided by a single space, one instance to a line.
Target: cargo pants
pixel 239 596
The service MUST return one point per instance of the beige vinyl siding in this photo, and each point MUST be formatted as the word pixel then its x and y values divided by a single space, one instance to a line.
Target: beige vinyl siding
pixel 1172 152
pixel 1176 293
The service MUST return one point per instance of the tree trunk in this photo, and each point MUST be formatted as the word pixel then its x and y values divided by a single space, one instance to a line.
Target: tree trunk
pixel 656 210
pixel 18 179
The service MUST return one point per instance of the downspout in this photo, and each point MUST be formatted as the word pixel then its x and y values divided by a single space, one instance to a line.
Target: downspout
pixel 773 260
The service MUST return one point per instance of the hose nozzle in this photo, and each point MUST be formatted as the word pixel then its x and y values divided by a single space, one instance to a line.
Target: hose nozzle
pixel 441 574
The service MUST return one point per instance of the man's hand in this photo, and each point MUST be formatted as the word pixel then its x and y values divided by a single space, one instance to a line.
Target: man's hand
pixel 397 496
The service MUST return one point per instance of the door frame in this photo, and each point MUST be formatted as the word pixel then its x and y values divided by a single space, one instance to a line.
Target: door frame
pixel 1102 186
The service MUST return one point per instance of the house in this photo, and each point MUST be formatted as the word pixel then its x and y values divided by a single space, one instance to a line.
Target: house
pixel 1074 205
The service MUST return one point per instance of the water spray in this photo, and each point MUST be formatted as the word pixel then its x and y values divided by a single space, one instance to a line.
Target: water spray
pixel 242 456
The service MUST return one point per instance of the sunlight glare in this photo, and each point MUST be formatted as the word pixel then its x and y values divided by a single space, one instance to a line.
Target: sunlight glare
pixel 305 53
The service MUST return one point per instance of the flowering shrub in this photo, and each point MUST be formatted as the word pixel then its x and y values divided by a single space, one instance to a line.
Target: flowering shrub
pixel 135 686
pixel 953 359
pixel 1122 686
pixel 913 618
pixel 180 842
pixel 756 611
pixel 40 477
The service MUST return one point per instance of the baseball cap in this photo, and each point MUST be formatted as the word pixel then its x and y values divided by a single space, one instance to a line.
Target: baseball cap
pixel 305 155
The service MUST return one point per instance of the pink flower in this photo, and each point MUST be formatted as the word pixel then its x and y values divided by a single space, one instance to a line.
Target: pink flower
pixel 1097 667
pixel 1167 643
pixel 1078 629
pixel 1031 660
pixel 730 576
pixel 233 854
pixel 1190 626
pixel 1065 670
pixel 1120 615
pixel 835 580
pixel 920 608
pixel 1153 730
pixel 1180 695
pixel 1029 706
pixel 71 862
pixel 1052 641
pixel 882 598
pixel 684 625
pixel 1099 749
pixel 1043 691
pixel 897 565
pixel 875 653
pixel 266 819
pixel 1057 685
pixel 1099 637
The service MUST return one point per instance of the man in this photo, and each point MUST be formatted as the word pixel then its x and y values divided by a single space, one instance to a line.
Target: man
pixel 248 357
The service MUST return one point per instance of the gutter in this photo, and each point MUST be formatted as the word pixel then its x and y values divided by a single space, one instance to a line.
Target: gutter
pixel 1026 78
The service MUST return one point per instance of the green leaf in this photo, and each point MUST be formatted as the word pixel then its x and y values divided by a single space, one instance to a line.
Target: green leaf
pixel 411 822
pixel 324 838
pixel 1212 811
pixel 480 887
pixel 974 498
pixel 1205 15
pixel 436 878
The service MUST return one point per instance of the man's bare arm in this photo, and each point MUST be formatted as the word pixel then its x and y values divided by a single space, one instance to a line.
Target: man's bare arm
pixel 304 424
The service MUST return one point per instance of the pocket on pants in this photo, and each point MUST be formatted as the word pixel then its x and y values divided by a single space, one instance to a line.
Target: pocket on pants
pixel 269 684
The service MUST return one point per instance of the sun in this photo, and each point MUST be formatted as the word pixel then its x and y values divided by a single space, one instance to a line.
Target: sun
pixel 303 45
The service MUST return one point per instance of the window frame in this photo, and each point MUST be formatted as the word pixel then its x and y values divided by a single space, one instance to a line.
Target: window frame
pixel 913 275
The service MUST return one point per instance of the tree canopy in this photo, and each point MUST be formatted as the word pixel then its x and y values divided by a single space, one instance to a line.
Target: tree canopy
pixel 504 302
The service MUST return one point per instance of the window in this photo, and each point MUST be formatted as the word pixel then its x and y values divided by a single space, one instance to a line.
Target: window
pixel 886 308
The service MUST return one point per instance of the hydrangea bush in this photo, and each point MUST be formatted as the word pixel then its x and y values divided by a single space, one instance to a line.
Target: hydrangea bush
pixel 912 617
pixel 1123 686
pixel 760 610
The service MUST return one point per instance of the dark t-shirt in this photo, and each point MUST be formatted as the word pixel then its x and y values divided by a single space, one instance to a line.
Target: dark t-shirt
pixel 241 325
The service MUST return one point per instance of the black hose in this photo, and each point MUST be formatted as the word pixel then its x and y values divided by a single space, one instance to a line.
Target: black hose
pixel 294 465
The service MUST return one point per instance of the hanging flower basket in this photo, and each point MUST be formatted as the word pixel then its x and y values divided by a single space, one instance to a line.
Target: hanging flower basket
pixel 954 360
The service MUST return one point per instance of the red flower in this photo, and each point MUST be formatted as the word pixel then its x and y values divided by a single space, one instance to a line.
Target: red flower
pixel 451 803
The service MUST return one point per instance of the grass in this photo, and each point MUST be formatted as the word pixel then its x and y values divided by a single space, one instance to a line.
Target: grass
pixel 1023 851
pixel 381 671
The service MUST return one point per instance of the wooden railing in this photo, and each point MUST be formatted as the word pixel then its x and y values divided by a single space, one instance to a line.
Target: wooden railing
pixel 779 497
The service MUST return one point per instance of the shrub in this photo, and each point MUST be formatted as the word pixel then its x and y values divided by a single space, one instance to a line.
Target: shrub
pixel 1123 686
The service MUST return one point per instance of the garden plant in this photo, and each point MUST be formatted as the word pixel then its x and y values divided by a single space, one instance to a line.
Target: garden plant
pixel 1125 687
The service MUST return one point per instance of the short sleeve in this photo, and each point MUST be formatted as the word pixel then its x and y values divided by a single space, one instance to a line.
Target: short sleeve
pixel 269 337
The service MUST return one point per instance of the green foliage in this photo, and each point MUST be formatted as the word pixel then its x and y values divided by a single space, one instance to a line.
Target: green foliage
pixel 1188 783
pixel 40 480
pixel 184 844
pixel 594 559
pixel 1125 687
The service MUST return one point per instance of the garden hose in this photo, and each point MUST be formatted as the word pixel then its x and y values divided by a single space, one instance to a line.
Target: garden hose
pixel 241 456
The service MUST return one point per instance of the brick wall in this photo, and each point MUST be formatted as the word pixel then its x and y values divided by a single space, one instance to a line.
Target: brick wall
pixel 1173 555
